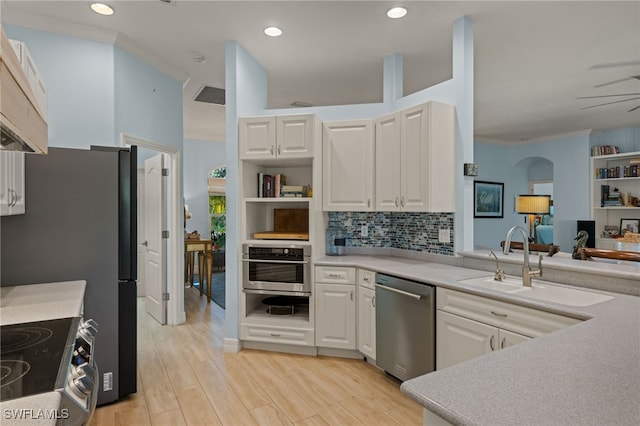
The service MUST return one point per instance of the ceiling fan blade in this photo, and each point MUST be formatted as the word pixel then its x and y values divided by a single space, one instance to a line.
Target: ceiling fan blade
pixel 608 96
pixel 633 109
pixel 614 65
pixel 609 103
pixel 612 82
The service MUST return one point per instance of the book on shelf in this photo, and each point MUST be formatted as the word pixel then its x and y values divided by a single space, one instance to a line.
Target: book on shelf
pixel 269 185
pixel 604 150
pixel 604 194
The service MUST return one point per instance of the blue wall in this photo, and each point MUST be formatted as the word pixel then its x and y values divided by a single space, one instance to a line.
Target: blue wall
pixel 148 103
pixel 79 77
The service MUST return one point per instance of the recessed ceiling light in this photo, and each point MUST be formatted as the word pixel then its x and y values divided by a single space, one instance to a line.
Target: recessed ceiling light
pixel 102 9
pixel 273 31
pixel 396 12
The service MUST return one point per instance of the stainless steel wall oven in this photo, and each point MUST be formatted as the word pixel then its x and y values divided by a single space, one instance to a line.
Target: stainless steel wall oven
pixel 277 269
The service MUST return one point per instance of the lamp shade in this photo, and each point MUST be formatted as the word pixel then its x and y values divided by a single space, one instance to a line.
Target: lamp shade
pixel 533 204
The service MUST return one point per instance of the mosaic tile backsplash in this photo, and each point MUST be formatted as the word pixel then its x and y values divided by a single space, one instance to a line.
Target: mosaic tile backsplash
pixel 401 230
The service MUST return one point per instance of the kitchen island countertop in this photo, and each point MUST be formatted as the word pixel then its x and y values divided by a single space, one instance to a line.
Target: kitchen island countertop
pixel 585 374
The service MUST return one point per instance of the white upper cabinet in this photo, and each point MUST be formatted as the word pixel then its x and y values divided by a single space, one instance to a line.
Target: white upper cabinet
pixel 388 163
pixel 12 183
pixel 32 74
pixel 347 166
pixel 276 137
pixel 415 158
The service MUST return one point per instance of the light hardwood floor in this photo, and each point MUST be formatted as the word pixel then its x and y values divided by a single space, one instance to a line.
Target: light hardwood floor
pixel 184 378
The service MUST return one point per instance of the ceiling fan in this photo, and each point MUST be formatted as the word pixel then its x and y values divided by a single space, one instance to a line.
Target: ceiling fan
pixel 628 96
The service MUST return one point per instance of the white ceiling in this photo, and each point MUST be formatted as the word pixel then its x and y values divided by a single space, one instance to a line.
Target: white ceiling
pixel 532 59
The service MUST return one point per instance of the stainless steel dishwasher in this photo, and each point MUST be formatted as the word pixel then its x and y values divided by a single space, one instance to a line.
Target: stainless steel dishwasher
pixel 405 327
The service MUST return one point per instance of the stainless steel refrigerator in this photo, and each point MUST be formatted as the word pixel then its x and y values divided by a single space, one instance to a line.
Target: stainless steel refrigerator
pixel 81 223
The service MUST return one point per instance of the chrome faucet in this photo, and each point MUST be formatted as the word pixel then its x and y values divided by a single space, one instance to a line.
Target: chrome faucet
pixel 527 273
pixel 499 275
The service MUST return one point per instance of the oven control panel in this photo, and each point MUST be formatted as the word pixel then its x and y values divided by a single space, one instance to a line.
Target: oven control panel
pixel 80 390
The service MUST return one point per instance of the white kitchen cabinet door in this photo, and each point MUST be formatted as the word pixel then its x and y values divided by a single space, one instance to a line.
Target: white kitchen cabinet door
pixel 442 158
pixel 415 176
pixel 347 165
pixel 508 338
pixel 335 316
pixel 257 138
pixel 367 322
pixel 459 339
pixel 388 164
pixel 12 183
pixel 294 136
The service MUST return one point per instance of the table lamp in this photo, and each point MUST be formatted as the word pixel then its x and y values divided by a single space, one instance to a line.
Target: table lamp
pixel 532 205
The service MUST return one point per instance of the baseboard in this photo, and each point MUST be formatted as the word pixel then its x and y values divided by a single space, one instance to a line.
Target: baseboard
pixel 340 353
pixel 278 347
pixel 231 345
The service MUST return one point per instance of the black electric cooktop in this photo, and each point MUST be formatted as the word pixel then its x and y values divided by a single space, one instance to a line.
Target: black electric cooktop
pixel 30 356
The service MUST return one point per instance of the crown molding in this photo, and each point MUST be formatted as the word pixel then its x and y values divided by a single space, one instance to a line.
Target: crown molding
pixel 73 29
pixel 548 138
pixel 125 43
pixel 59 26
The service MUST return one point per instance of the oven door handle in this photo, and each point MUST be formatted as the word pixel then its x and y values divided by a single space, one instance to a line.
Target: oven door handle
pixel 297 262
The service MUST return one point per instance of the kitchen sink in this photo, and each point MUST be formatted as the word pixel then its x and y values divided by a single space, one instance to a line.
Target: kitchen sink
pixel 562 295
pixel 539 291
pixel 508 285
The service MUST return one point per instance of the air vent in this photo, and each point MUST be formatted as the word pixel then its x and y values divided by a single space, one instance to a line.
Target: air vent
pixel 300 104
pixel 210 95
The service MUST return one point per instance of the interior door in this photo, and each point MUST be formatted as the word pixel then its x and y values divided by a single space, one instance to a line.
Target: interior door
pixel 142 248
pixel 154 224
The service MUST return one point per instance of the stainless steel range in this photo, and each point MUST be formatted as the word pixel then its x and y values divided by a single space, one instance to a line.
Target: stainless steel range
pixel 49 356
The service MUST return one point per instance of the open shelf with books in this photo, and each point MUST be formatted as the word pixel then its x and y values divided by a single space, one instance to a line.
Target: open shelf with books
pixel 615 194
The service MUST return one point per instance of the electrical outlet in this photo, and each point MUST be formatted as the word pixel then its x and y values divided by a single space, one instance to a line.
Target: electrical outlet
pixel 444 235
pixel 364 231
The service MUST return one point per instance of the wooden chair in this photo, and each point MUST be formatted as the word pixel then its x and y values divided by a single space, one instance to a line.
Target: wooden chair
pixel 550 249
pixel 590 253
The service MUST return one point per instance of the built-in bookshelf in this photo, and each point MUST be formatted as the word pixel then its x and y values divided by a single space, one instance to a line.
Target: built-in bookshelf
pixel 615 194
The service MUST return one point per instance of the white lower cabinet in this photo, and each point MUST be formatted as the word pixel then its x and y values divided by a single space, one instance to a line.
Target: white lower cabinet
pixel 366 313
pixel 335 307
pixel 459 339
pixel 468 326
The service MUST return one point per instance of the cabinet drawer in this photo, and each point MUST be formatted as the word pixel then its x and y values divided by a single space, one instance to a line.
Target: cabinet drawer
pixel 366 278
pixel 335 275
pixel 271 334
pixel 519 319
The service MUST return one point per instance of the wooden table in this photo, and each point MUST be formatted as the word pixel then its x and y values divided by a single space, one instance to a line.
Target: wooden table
pixel 203 249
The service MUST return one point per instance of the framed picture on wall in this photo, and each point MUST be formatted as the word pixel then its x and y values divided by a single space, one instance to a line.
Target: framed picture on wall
pixel 488 199
pixel 629 225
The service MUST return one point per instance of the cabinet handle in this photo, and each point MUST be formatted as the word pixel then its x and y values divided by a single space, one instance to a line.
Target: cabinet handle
pixel 351 294
pixel 335 276
pixel 402 201
pixel 396 202
pixel 271 149
pixel 275 335
pixel 365 279
pixel 278 149
pixel 11 197
pixel 504 339
pixel 373 301
pixel 368 202
pixel 498 314
pixel 491 343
